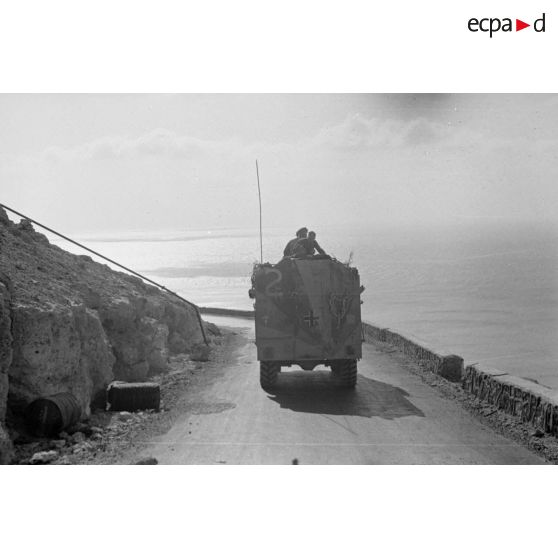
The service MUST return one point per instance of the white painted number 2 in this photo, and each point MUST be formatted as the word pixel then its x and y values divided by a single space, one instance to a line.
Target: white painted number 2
pixel 271 289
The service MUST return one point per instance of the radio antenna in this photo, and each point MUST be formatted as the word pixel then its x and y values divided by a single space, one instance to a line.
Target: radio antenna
pixel 260 200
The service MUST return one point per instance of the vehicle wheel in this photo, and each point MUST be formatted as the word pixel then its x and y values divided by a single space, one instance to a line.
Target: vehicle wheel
pixel 268 374
pixel 346 372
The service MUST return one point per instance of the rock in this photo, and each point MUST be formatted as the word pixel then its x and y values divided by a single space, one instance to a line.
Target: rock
pixel 99 401
pixel 141 331
pixel 6 447
pixel 4 219
pixel 86 429
pixel 177 344
pixel 200 353
pixel 79 427
pixel 77 438
pixel 80 448
pixel 20 438
pixel 43 457
pixel 69 324
pixel 63 435
pixel 158 356
pixel 212 329
pixel 25 225
pixel 62 349
pixel 147 461
pixel 57 444
pixel 34 447
pixel 24 230
pixel 125 416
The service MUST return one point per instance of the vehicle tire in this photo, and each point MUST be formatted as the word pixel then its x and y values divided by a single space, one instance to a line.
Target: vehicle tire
pixel 346 372
pixel 268 374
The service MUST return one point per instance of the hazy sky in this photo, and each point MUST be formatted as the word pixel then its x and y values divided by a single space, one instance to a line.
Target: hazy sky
pixel 159 162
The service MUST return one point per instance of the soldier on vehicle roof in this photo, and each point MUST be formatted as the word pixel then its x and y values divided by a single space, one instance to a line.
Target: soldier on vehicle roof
pixel 309 246
pixel 290 248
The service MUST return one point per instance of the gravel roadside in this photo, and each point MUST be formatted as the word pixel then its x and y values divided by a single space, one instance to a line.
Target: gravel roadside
pixel 118 437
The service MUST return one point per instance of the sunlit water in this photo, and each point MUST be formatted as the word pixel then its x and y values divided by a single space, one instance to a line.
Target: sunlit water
pixel 486 292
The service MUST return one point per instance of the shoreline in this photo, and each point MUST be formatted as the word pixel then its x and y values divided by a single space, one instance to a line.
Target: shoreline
pixel 226 312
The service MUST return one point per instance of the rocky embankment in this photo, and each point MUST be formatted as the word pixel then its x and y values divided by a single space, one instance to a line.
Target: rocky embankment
pixel 70 324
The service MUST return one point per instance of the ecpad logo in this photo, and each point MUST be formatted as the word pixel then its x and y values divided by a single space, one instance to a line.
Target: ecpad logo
pixel 492 25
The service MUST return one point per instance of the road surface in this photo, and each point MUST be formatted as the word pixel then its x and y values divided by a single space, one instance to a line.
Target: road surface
pixel 392 417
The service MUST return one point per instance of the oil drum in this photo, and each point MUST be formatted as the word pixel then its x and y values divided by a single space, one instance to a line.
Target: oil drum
pixel 49 415
pixel 124 396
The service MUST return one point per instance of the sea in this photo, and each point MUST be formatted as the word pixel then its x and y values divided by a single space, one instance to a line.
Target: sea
pixel 487 291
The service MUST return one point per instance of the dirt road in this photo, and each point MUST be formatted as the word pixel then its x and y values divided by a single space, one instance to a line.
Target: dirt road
pixel 391 418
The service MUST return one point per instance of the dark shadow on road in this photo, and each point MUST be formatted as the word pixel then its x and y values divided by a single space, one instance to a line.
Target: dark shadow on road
pixel 317 392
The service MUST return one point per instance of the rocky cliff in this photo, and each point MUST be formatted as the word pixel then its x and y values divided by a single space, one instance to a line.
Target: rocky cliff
pixel 68 323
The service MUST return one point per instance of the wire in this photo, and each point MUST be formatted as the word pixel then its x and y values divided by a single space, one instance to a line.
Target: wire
pixel 162 287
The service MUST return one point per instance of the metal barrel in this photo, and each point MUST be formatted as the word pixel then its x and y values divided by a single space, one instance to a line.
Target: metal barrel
pixel 122 396
pixel 49 415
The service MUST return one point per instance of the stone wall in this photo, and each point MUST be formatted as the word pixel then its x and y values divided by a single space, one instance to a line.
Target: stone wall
pixel 440 362
pixel 532 403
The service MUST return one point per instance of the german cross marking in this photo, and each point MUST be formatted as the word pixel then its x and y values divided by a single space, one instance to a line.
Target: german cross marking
pixel 311 320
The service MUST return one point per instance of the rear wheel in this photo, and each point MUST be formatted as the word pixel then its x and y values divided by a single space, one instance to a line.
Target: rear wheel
pixel 346 372
pixel 268 374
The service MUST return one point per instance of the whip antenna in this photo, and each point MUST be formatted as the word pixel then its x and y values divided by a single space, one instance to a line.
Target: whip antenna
pixel 260 200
